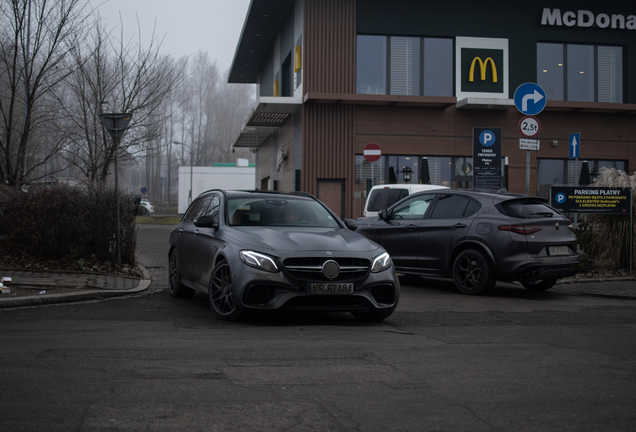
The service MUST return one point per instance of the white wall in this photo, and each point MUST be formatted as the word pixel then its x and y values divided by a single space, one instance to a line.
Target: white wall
pixel 206 178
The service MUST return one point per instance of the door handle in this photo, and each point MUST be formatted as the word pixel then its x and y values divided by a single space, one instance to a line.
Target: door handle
pixel 411 227
pixel 459 225
pixel 196 232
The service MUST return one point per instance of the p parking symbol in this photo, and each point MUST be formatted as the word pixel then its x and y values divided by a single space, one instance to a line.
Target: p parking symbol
pixel 560 198
pixel 487 138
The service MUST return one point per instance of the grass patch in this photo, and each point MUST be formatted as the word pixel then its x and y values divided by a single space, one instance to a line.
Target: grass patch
pixel 159 220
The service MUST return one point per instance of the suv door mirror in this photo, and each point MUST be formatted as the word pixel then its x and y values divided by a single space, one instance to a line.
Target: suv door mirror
pixel 207 221
pixel 384 214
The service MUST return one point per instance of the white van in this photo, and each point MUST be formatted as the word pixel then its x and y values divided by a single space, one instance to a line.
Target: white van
pixel 383 196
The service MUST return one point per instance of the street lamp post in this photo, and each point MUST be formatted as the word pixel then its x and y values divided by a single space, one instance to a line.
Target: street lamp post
pixel 191 168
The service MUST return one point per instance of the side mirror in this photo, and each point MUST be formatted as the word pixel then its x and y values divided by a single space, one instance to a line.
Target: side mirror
pixel 351 224
pixel 207 221
pixel 384 214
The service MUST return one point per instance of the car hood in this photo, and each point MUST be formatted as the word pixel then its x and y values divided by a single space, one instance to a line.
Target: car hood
pixel 295 239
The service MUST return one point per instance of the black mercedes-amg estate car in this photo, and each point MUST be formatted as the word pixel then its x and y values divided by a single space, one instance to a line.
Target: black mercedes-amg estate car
pixel 476 238
pixel 254 250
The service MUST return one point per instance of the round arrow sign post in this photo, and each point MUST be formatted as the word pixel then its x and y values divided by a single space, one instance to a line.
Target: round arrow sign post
pixel 372 152
pixel 530 99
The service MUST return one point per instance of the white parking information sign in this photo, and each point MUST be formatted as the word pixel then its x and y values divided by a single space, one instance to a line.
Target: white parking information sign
pixel 529 144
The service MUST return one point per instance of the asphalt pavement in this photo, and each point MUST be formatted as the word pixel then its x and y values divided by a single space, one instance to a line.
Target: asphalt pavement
pixel 41 288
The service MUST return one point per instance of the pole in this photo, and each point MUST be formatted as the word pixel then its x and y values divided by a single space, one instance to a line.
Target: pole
pixel 576 174
pixel 118 239
pixel 191 169
pixel 527 172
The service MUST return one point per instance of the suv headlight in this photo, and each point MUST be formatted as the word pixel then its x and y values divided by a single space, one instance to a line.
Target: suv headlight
pixel 381 263
pixel 258 260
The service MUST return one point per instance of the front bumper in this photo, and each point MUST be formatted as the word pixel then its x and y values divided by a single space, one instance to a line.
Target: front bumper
pixel 259 290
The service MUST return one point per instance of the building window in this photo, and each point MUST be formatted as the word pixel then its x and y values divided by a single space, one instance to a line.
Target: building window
pixel 404 66
pixel 586 73
pixel 371 65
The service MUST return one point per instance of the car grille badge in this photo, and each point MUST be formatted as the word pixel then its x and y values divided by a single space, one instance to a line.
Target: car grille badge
pixel 556 225
pixel 330 269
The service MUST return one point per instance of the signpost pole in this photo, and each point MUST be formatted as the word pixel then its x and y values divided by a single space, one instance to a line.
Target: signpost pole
pixel 527 172
pixel 576 173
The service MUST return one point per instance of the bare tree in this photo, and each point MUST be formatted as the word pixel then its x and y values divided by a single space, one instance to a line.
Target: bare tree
pixel 117 76
pixel 36 38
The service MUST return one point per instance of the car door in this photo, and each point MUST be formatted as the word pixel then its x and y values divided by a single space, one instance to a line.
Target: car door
pixel 398 234
pixel 446 225
pixel 205 244
pixel 187 238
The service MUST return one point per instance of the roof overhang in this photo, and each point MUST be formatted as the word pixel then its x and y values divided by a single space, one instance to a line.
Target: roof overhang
pixel 379 100
pixel 590 107
pixel 263 24
pixel 265 119
pixel 485 103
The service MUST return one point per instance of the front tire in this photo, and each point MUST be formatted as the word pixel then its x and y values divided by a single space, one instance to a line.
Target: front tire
pixel 220 295
pixel 177 289
pixel 473 273
pixel 539 285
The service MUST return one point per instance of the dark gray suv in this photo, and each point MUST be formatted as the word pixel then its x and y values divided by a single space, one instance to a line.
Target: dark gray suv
pixel 476 238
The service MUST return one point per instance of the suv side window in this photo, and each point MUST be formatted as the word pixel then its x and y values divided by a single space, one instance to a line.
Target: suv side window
pixel 413 208
pixel 453 207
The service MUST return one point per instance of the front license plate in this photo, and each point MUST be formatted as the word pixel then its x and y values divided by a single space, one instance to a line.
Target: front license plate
pixel 331 288
pixel 559 250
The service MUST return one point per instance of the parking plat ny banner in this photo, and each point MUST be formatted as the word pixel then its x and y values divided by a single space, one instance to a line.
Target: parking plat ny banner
pixel 577 199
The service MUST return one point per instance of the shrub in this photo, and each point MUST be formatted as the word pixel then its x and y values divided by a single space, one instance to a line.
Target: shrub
pixel 607 238
pixel 60 221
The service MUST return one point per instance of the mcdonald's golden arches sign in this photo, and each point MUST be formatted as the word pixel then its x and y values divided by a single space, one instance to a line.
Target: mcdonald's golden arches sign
pixel 482 67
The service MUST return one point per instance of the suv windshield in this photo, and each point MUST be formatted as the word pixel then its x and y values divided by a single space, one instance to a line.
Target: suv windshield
pixel 526 209
pixel 278 211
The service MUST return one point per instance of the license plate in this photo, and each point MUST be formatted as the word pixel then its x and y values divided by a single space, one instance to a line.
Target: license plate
pixel 331 288
pixel 559 250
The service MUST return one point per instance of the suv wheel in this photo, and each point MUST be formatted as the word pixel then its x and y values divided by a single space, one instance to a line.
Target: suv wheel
pixel 473 273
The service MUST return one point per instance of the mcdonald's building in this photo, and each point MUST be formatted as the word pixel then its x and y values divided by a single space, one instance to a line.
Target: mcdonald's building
pixel 414 78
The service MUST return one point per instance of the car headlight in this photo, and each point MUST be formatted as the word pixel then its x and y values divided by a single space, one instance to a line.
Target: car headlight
pixel 381 263
pixel 258 260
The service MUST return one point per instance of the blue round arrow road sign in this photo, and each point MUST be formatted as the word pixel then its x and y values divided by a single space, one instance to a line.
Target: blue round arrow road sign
pixel 530 99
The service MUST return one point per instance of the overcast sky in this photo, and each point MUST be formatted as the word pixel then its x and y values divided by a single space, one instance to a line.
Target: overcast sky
pixel 186 26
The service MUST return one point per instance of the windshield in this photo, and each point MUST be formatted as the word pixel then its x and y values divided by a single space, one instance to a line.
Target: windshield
pixel 278 212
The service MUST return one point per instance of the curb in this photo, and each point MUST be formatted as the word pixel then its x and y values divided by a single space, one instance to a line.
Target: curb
pixel 48 299
pixel 597 280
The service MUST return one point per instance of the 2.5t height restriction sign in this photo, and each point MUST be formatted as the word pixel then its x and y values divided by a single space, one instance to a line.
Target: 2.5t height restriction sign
pixel 529 126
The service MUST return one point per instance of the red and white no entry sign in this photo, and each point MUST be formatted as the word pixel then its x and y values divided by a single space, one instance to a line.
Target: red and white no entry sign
pixel 372 152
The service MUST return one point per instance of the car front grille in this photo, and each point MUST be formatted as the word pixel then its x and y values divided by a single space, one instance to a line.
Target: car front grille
pixel 310 269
